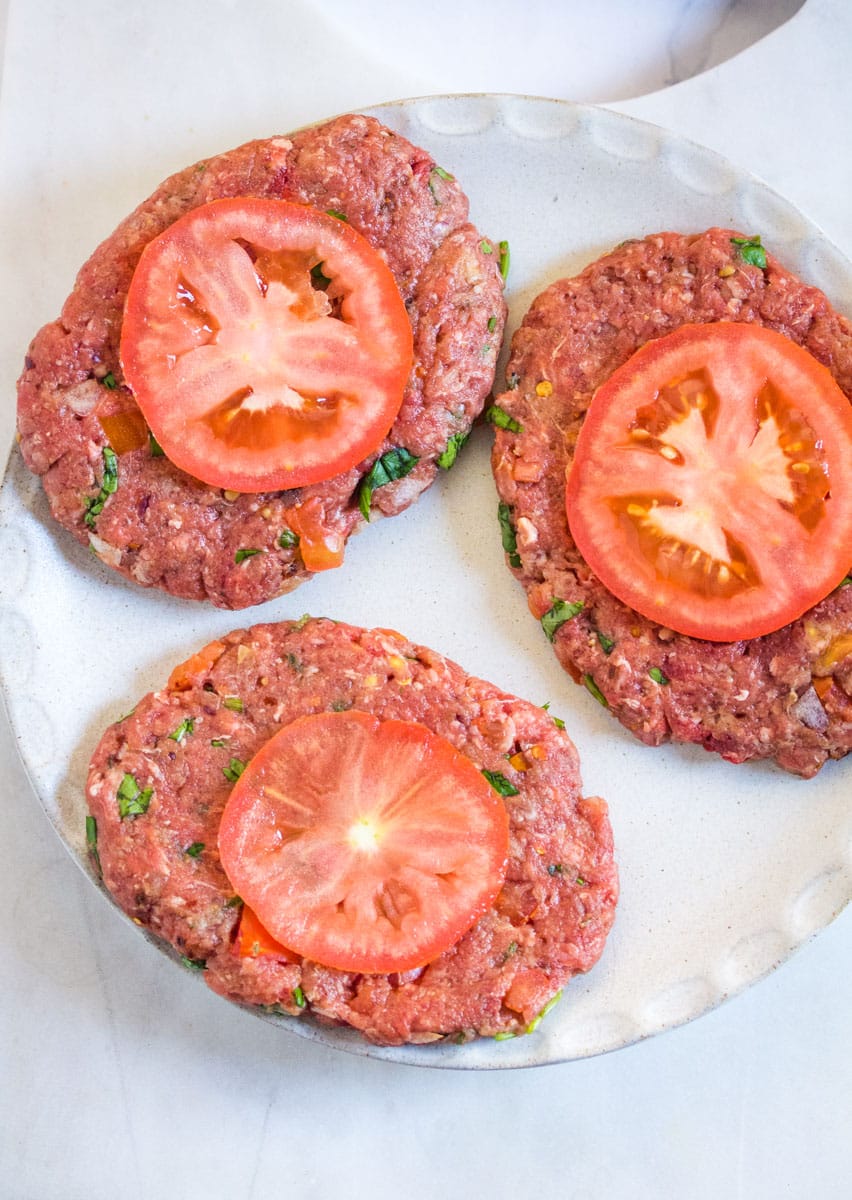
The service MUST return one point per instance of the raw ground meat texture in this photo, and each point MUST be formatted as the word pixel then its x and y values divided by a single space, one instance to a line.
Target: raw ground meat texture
pixel 162 528
pixel 549 921
pixel 787 695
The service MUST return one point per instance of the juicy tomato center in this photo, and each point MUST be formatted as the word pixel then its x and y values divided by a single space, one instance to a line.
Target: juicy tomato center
pixel 711 488
pixel 266 344
pixel 362 844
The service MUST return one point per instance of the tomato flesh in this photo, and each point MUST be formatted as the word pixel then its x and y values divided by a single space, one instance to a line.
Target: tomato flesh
pixel 711 488
pixel 266 344
pixel 362 844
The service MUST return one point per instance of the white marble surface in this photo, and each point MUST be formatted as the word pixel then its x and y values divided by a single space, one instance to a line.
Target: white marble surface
pixel 119 1078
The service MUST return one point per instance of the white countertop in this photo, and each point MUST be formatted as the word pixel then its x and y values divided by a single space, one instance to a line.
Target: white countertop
pixel 120 1078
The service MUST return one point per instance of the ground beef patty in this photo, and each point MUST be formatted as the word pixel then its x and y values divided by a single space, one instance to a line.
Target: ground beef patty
pixel 787 695
pixel 549 921
pixel 163 528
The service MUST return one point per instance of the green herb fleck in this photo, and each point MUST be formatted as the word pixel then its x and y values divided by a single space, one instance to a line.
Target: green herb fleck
pixel 557 721
pixel 442 174
pixel 318 277
pixel 486 247
pixel 92 839
pixel 555 869
pixel 194 964
pixel 595 690
pixel 299 997
pixel 450 452
pixel 335 212
pixel 505 1036
pixel 233 770
pixel 607 643
pixel 109 485
pixel 154 446
pixel 109 381
pixel 394 464
pixel 500 783
pixel 234 703
pixel 234 902
pixel 302 622
pixel 845 582
pixel 536 1021
pixel 195 850
pixel 287 539
pixel 511 949
pixel 218 742
pixel 341 705
pixel 499 417
pixel 243 554
pixel 658 676
pixel 186 726
pixel 751 251
pixel 505 260
pixel 560 612
pixel 581 882
pixel 132 800
pixel 492 324
pixel 507 533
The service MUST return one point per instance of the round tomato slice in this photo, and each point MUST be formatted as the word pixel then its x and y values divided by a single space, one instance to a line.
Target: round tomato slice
pixel 362 844
pixel 266 344
pixel 711 488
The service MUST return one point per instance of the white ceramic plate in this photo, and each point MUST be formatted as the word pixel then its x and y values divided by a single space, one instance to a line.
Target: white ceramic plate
pixel 725 870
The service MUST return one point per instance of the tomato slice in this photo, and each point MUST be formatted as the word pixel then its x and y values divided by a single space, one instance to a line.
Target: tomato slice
pixel 711 488
pixel 266 344
pixel 362 844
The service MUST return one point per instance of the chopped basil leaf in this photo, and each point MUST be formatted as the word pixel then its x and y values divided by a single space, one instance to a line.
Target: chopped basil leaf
pixel 555 869
pixel 218 742
pixel 607 643
pixel 91 832
pixel 234 703
pixel 505 260
pixel 186 726
pixel 442 174
pixel 394 464
pixel 233 770
pixel 109 485
pixel 154 446
pixel 595 691
pixel 581 882
pixel 109 381
pixel 194 850
pixel 492 324
pixel 318 277
pixel 499 417
pixel 287 539
pixel 511 949
pixel 335 212
pixel 500 783
pixel 234 902
pixel 299 997
pixel 132 800
pixel 507 533
pixel 751 251
pixel 658 676
pixel 559 612
pixel 450 452
pixel 243 554
pixel 486 247
pixel 194 964
pixel 536 1021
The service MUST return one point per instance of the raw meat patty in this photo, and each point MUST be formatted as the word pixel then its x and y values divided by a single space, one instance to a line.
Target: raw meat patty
pixel 786 696
pixel 163 528
pixel 550 919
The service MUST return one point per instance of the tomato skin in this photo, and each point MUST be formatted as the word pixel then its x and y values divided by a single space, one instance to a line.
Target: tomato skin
pixel 729 517
pixel 251 377
pixel 364 845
